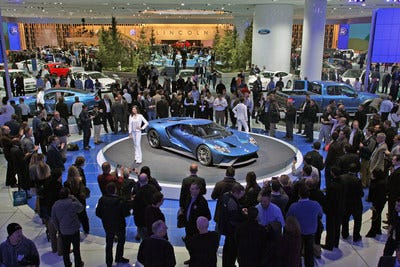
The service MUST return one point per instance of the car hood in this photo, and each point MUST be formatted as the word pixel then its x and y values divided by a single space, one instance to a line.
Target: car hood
pixel 364 96
pixel 236 144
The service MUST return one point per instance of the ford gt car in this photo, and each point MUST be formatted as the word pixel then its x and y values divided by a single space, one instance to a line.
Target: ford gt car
pixel 204 140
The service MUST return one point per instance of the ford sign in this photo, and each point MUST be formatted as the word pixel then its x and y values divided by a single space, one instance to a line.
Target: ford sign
pixel 263 31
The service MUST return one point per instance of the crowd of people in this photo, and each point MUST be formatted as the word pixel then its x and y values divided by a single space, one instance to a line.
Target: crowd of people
pixel 263 226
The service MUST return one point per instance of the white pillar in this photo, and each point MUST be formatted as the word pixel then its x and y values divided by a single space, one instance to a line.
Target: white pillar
pixel 241 23
pixel 312 47
pixel 272 50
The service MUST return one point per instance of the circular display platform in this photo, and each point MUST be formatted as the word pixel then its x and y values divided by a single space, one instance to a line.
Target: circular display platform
pixel 274 158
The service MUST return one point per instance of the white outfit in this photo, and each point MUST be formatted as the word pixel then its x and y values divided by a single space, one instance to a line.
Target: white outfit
pixel 137 123
pixel 40 97
pixel 240 111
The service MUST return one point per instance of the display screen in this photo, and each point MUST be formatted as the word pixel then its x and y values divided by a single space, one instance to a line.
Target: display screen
pixel 386 42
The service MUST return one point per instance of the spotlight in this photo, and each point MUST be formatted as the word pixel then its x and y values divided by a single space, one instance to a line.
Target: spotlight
pixel 356 1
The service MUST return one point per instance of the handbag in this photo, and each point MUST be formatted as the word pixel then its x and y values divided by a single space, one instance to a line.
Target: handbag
pixel 181 220
pixel 19 198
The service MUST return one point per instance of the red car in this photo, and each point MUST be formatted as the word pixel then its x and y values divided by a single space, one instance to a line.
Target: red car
pixel 58 69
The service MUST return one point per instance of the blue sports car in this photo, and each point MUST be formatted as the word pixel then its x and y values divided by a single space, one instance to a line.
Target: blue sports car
pixel 208 142
pixel 86 97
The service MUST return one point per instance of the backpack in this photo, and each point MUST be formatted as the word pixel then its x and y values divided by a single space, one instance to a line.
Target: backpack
pixel 224 225
pixel 72 147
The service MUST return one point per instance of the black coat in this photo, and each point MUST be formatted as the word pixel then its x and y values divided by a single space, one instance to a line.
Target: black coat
pixel 353 191
pixel 155 252
pixel 143 198
pixel 203 249
pixel 219 190
pixel 198 208
pixel 251 243
pixel 316 159
pixel 54 158
pixel 347 159
pixel 185 192
pixel 112 211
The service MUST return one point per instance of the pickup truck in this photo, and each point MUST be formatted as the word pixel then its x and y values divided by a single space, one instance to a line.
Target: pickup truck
pixel 324 91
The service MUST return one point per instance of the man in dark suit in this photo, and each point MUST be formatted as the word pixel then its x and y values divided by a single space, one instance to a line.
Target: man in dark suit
pixel 105 108
pixel 195 207
pixel 377 188
pixel 334 152
pixel 221 187
pixel 143 198
pixel 393 238
pixel 251 239
pixel 356 136
pixel 316 158
pixel 112 212
pixel 334 210
pixel 204 246
pixel 393 187
pixel 353 202
pixel 54 157
pixel 350 157
pixel 186 182
pixel 86 124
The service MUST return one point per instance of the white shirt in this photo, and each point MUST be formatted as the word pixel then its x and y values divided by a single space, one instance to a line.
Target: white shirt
pixel 77 109
pixel 47 85
pixel 220 104
pixel 240 111
pixel 128 98
pixel 40 98
pixel 136 122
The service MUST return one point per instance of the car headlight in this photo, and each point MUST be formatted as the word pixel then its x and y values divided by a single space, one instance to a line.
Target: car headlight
pixel 221 149
pixel 252 141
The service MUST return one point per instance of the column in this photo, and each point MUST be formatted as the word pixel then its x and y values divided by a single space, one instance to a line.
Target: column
pixel 312 47
pixel 241 24
pixel 272 50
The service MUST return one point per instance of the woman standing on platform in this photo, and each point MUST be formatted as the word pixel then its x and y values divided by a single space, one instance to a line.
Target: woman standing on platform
pixel 137 123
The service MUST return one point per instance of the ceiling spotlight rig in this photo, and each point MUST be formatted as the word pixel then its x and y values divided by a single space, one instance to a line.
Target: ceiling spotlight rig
pixel 356 1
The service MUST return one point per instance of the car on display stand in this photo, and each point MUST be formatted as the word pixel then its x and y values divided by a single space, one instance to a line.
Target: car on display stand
pixel 21 65
pixel 266 76
pixel 204 140
pixel 50 96
pixel 61 69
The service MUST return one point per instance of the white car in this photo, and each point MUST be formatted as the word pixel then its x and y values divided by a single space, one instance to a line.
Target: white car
pixel 185 73
pixel 266 76
pixel 105 81
pixel 351 75
pixel 29 81
pixel 39 65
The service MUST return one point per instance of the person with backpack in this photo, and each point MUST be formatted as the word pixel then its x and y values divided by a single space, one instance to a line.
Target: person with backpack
pixel 221 187
pixel 231 215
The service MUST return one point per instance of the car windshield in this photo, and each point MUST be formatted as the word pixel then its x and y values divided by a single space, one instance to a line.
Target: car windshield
pixel 266 74
pixel 211 130
pixel 352 73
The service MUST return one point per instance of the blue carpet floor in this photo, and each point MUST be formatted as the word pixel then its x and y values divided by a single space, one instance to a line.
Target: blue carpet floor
pixel 170 207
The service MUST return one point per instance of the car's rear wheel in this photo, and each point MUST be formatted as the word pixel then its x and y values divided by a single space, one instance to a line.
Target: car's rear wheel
pixel 154 138
pixel 204 155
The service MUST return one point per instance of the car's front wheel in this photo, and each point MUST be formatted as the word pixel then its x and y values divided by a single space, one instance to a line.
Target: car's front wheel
pixel 153 138
pixel 204 155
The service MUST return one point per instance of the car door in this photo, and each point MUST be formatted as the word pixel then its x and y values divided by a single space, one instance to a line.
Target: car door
pixel 348 97
pixel 50 101
pixel 181 137
pixel 69 99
